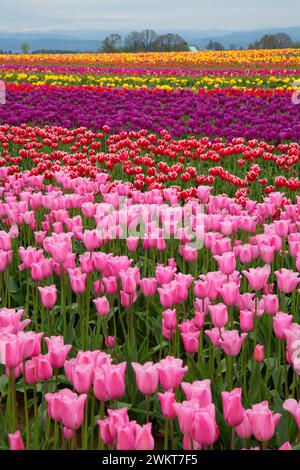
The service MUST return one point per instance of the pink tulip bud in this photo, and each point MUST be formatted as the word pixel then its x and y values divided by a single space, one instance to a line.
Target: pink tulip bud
pixel 102 306
pixel 15 441
pixel 167 400
pixel 259 353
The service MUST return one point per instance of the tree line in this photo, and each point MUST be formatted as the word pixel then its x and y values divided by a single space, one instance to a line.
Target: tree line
pixel 268 41
pixel 144 41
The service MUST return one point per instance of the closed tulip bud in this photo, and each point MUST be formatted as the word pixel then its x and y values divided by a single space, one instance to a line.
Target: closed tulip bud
pixel 285 446
pixel 219 315
pixel 293 407
pixel 229 293
pixel 167 400
pixel 57 350
pixel 270 303
pixel 30 372
pixel 259 353
pixel 244 430
pixel 126 436
pixel 115 379
pixel 143 437
pixel 15 441
pixel 43 367
pixel 73 411
pixel 191 341
pixel 68 434
pixel 232 407
pixel 109 342
pixel 106 436
pixel 132 243
pixel 48 296
pixel 102 306
pixel 170 319
pixel 110 284
pixel 247 320
pixel 205 430
pixel 281 322
pixel 82 377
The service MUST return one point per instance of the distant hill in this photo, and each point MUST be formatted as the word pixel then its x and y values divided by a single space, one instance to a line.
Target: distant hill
pixel 90 40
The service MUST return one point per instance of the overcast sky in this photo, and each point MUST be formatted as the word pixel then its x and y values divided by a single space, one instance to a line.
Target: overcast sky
pixel 27 15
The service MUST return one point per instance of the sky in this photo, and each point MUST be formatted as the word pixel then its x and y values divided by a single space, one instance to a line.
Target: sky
pixel 231 15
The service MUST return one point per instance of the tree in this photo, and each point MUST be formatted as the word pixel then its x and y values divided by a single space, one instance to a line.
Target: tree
pixel 283 41
pixel 273 41
pixel 232 47
pixel 110 43
pixel 25 47
pixel 148 38
pixel 133 42
pixel 214 46
pixel 170 42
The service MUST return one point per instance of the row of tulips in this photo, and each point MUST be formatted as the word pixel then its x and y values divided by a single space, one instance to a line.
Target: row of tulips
pixel 160 72
pixel 278 58
pixel 270 115
pixel 168 82
pixel 115 279
pixel 151 161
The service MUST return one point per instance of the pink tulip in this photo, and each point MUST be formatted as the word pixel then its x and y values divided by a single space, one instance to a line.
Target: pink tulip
pixel 167 401
pixel 205 429
pixel 247 320
pixel 170 319
pixel 198 391
pixel 115 379
pixel 281 322
pixel 219 315
pixel 73 411
pixel 259 353
pixel 171 372
pixel 270 303
pixel 48 296
pixel 232 407
pixel 146 377
pixel 263 421
pixel 226 262
pixel 285 446
pixel 229 293
pixel 143 437
pixel 15 441
pixel 287 280
pixel 102 306
pixel 231 342
pixel 244 429
pixel 258 277
pixel 57 350
pixel 148 286
pixel 293 407
pixel 30 372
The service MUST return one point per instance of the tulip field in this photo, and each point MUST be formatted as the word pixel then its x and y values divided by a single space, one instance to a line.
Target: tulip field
pixel 150 251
